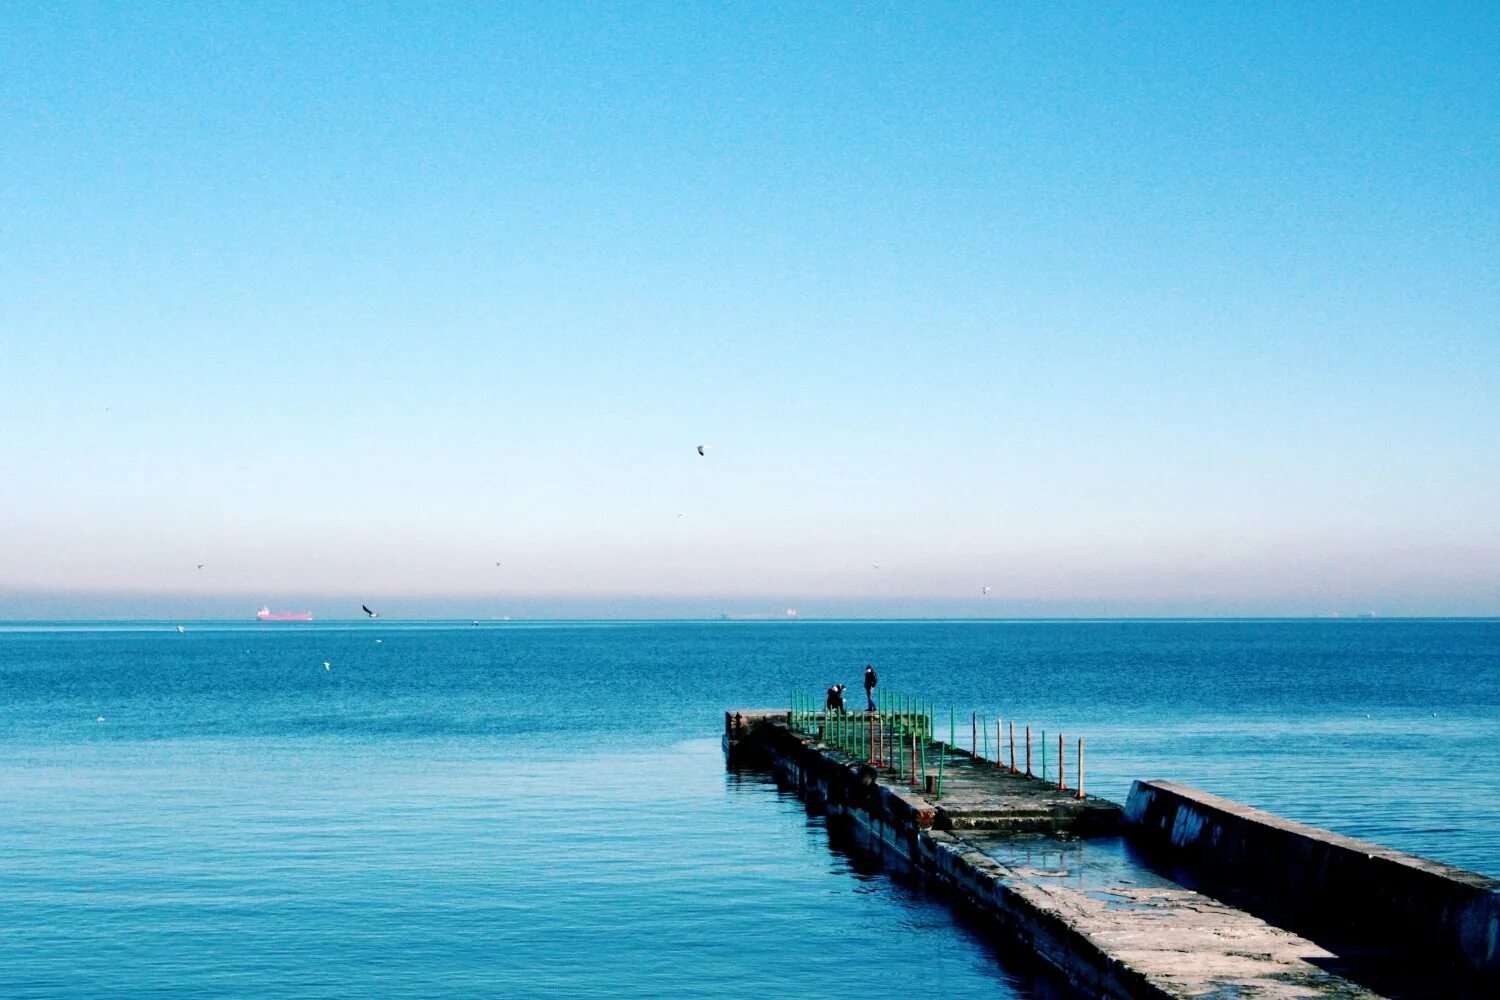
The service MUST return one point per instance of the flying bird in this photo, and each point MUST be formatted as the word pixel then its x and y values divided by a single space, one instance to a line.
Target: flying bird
pixel 372 614
pixel 702 448
pixel 181 629
pixel 986 590
pixel 200 565
pixel 327 665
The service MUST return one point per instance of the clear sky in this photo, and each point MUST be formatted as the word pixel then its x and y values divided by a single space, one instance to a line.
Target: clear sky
pixel 1112 308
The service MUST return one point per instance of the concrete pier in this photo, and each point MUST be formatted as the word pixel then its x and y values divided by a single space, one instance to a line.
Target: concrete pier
pixel 1064 877
pixel 977 795
pixel 1321 882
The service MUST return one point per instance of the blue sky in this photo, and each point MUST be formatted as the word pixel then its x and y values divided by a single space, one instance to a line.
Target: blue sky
pixel 1111 308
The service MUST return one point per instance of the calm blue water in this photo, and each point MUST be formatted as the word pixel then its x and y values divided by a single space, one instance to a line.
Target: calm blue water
pixel 542 811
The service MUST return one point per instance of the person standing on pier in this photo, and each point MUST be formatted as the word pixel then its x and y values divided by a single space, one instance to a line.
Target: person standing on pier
pixel 835 702
pixel 870 681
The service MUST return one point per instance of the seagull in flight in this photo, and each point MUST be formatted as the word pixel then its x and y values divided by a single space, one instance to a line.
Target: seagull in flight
pixel 200 565
pixel 181 629
pixel 702 449
pixel 986 590
pixel 372 614
pixel 327 665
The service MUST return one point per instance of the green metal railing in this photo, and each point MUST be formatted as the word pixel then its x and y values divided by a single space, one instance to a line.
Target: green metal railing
pixel 900 736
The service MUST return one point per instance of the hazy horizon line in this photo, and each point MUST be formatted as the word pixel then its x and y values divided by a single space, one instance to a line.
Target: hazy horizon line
pixel 42 605
pixel 752 619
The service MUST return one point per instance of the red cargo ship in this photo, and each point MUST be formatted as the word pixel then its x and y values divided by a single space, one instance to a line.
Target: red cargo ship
pixel 265 614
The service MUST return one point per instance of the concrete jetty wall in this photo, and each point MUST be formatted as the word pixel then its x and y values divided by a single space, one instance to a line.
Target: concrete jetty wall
pixel 1321 881
pixel 1253 905
pixel 903 825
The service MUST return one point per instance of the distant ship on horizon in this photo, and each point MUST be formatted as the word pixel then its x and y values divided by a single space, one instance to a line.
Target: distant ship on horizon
pixel 759 617
pixel 265 614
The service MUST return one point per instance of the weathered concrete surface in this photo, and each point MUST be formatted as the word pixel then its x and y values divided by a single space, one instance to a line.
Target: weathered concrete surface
pixel 740 723
pixel 1323 882
pixel 1115 941
pixel 1146 935
pixel 979 795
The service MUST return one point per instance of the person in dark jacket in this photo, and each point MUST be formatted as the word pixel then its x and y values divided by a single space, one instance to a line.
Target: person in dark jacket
pixel 870 681
pixel 835 701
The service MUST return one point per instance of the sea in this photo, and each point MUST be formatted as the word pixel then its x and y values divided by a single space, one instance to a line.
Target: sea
pixel 542 810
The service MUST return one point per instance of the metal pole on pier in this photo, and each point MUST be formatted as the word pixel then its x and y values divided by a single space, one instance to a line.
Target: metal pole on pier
pixel 1080 769
pixel 942 756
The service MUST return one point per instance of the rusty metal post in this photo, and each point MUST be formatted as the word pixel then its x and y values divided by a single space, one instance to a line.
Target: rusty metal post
pixel 1028 751
pixel 1080 769
pixel 999 744
pixel 974 734
pixel 1062 765
pixel 1012 746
